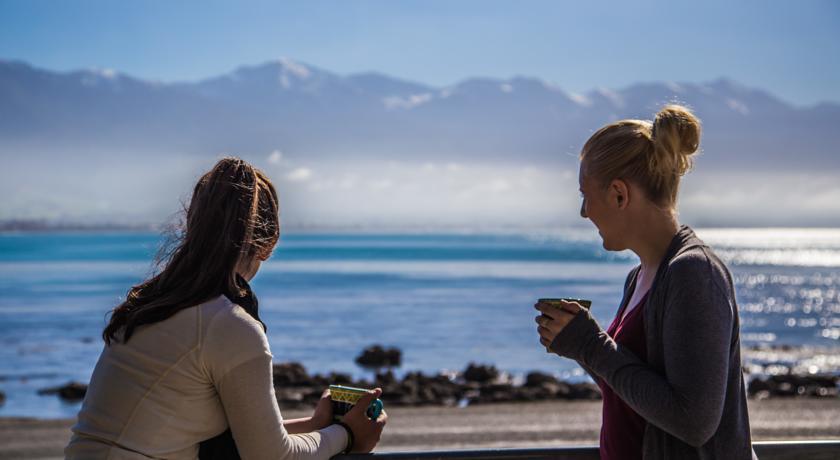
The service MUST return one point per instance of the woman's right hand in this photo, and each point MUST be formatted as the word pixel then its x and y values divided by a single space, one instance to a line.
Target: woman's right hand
pixel 366 432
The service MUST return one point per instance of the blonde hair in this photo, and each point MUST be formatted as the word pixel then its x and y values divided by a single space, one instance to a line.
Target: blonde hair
pixel 653 155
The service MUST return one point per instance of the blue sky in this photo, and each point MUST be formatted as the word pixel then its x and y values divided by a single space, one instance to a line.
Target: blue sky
pixel 788 48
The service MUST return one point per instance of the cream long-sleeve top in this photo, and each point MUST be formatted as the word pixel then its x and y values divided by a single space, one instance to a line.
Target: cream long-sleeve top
pixel 187 379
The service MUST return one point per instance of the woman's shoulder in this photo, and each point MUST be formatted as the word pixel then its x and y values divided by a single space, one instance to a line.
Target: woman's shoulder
pixel 223 319
pixel 222 311
pixel 230 334
pixel 698 256
pixel 699 262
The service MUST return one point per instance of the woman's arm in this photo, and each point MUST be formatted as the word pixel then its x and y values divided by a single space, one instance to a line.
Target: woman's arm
pixel 298 425
pixel 687 402
pixel 237 360
pixel 247 394
pixel 321 418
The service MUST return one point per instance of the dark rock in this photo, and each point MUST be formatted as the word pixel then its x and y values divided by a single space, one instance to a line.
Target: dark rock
pixel 2 398
pixel 72 391
pixel 290 397
pixel 377 356
pixel 586 391
pixel 469 397
pixel 418 389
pixel 536 379
pixel 794 385
pixel 320 381
pixel 545 391
pixel 480 373
pixel 759 387
pixel 503 392
pixel 385 379
pixel 530 394
pixel 337 378
pixel 562 390
pixel 291 374
pixel 312 395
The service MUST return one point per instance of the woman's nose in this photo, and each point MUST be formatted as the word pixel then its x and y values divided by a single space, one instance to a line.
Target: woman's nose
pixel 583 210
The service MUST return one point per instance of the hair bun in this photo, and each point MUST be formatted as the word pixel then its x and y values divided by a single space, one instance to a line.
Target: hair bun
pixel 676 136
pixel 679 127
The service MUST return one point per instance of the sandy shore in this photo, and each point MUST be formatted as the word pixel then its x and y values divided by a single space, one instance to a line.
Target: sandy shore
pixel 497 425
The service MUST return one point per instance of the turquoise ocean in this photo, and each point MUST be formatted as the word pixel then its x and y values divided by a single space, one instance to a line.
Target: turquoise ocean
pixel 445 299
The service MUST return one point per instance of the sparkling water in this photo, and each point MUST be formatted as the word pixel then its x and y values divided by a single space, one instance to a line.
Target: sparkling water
pixel 444 299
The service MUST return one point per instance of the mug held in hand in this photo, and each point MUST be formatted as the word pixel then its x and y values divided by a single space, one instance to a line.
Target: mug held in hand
pixel 555 302
pixel 344 398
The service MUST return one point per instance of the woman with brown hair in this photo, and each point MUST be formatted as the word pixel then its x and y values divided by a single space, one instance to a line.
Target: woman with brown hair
pixel 186 355
pixel 669 365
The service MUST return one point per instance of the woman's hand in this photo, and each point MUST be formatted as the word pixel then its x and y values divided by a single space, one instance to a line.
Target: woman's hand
pixel 366 432
pixel 553 319
pixel 323 415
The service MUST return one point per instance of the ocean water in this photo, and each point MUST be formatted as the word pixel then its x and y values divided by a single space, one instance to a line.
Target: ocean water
pixel 444 299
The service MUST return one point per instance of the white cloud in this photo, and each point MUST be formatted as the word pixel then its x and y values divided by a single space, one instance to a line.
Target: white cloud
pixel 612 96
pixel 499 185
pixel 284 81
pixel 275 157
pixel 580 99
pixel 416 194
pixel 381 184
pixel 765 199
pixel 428 194
pixel 737 106
pixel 295 68
pixel 299 175
pixel 476 194
pixel 410 102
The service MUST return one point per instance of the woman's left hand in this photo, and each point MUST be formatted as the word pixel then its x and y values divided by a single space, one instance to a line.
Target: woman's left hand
pixel 553 319
pixel 323 415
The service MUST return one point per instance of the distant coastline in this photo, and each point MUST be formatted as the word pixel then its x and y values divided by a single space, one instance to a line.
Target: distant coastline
pixel 49 225
pixel 43 225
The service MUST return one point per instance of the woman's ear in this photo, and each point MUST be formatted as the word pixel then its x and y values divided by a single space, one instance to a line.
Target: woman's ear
pixel 619 194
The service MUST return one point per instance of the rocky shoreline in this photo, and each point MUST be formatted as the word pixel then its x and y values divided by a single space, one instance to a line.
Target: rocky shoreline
pixel 477 384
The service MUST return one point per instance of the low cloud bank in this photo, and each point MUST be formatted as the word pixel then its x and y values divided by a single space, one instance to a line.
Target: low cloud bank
pixel 399 194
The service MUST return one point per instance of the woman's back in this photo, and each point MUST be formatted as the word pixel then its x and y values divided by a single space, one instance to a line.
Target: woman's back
pixel 157 394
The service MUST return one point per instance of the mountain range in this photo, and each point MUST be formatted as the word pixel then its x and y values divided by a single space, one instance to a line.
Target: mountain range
pixel 312 113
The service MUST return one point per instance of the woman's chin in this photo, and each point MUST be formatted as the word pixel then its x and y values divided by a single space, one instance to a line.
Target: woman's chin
pixel 609 245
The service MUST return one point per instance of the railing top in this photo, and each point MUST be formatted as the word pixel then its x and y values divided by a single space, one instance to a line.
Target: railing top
pixel 766 450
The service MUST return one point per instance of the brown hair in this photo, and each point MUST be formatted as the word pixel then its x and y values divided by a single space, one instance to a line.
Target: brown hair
pixel 232 217
pixel 652 155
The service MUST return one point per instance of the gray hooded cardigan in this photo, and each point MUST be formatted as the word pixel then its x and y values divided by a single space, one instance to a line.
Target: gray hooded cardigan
pixel 690 389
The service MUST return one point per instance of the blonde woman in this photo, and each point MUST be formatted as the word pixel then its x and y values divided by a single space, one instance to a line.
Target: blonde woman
pixel 669 365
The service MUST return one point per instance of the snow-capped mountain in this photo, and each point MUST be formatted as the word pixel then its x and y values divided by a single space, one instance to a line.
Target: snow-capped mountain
pixel 315 113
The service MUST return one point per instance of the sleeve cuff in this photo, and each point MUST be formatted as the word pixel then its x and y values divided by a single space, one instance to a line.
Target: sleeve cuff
pixel 335 436
pixel 571 341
